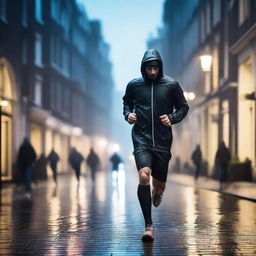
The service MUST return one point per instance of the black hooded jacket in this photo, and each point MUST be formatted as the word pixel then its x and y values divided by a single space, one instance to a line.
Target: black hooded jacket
pixel 150 99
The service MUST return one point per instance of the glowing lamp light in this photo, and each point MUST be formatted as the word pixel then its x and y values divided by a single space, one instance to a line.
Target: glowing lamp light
pixel 191 96
pixel 206 62
pixel 4 103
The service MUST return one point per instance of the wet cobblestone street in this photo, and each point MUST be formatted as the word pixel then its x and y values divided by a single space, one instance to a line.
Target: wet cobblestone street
pixel 105 219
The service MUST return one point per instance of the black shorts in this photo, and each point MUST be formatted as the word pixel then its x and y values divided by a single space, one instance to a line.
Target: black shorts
pixel 157 161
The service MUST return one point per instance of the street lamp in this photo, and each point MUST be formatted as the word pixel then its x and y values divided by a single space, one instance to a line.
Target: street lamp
pixel 206 62
pixel 3 103
pixel 206 65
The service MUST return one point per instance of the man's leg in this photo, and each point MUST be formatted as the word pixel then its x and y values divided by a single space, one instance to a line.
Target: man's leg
pixel 158 189
pixel 144 196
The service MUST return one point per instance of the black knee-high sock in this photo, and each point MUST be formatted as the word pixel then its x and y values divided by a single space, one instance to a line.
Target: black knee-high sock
pixel 144 196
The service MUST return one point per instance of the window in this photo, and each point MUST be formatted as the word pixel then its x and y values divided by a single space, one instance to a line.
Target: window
pixel 24 56
pixel 39 11
pixel 59 96
pixel 66 101
pixel 202 22
pixel 38 91
pixel 53 94
pixel 3 10
pixel 38 50
pixel 55 5
pixel 65 60
pixel 24 17
pixel 216 12
pixel 208 18
pixel 243 10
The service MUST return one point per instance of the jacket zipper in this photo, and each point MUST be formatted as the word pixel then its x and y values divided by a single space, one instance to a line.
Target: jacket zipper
pixel 152 114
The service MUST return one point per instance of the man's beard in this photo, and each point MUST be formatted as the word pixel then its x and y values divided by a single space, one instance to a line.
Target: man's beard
pixel 153 77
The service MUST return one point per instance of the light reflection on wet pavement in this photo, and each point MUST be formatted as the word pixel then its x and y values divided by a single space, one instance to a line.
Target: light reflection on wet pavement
pixel 105 219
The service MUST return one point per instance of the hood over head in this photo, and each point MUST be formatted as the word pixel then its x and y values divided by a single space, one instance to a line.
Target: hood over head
pixel 151 55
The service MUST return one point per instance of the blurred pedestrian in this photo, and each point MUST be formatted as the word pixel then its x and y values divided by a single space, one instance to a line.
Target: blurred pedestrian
pixel 223 157
pixel 75 160
pixel 115 159
pixel 26 159
pixel 149 104
pixel 197 160
pixel 93 162
pixel 53 159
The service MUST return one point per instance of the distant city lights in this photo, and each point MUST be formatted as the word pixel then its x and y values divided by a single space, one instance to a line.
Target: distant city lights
pixel 189 96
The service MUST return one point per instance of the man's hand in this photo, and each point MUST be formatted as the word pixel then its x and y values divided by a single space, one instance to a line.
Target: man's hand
pixel 165 120
pixel 132 118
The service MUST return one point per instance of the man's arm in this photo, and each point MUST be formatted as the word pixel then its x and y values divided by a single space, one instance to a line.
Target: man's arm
pixel 128 102
pixel 180 104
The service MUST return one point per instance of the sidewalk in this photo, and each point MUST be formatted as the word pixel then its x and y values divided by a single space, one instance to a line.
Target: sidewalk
pixel 246 190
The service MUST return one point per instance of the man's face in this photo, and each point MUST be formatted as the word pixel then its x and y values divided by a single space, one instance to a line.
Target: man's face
pixel 152 72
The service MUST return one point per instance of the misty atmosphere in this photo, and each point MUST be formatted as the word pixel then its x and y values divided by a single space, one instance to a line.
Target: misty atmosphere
pixel 77 97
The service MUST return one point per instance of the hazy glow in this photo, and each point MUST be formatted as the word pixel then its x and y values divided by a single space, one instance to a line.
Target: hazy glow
pixel 116 148
pixel 102 142
pixel 65 129
pixel 51 123
pixel 77 131
pixel 126 27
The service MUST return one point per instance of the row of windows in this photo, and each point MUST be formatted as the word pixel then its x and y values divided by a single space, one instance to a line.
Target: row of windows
pixel 24 16
pixel 209 20
pixel 62 99
pixel 60 55
pixel 79 40
pixel 61 15
pixel 78 70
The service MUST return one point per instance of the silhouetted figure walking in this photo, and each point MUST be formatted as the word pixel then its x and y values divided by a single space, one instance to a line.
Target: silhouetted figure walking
pixel 115 159
pixel 197 160
pixel 75 160
pixel 93 162
pixel 222 159
pixel 26 159
pixel 53 159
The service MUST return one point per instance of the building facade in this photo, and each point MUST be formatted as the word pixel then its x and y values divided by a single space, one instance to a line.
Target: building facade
pixel 223 31
pixel 54 65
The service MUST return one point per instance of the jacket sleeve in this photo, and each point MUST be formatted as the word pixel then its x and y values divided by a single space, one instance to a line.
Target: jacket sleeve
pixel 180 104
pixel 128 101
